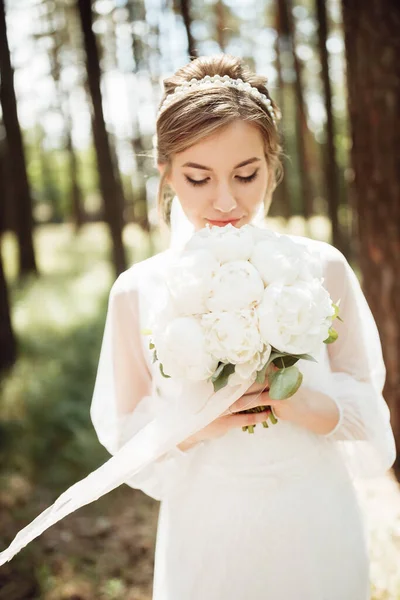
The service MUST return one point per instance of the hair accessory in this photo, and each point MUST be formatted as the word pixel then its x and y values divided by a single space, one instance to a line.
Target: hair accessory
pixel 218 81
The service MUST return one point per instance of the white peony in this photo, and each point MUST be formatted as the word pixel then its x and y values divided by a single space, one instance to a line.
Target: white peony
pixel 295 319
pixel 189 281
pixel 248 371
pixel 260 234
pixel 235 286
pixel 181 349
pixel 226 243
pixel 282 260
pixel 232 337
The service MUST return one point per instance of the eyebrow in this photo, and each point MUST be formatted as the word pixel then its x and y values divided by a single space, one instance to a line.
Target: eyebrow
pixel 204 168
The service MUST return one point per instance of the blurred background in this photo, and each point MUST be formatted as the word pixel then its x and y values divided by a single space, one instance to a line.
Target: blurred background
pixel 80 82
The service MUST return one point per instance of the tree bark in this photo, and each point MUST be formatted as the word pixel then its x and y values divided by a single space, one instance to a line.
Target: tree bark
pixel 8 346
pixel 302 131
pixel 187 20
pixel 113 200
pixel 372 41
pixel 20 184
pixel 220 19
pixel 282 194
pixel 331 168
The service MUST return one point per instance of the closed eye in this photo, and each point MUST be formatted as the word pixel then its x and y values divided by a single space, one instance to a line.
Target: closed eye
pixel 204 181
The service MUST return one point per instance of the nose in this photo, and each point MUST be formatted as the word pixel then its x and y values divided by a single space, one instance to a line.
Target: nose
pixel 225 201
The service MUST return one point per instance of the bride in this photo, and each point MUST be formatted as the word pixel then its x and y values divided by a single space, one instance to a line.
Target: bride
pixel 268 516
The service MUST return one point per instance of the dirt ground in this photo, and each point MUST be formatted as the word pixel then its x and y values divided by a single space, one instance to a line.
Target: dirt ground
pixel 105 550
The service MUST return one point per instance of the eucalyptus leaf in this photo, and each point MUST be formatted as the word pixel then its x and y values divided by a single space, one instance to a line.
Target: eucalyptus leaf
pixel 222 380
pixel 274 355
pixel 217 372
pixel 282 362
pixel 261 374
pixel 284 383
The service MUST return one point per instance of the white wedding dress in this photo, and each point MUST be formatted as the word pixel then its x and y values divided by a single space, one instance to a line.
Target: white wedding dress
pixel 268 516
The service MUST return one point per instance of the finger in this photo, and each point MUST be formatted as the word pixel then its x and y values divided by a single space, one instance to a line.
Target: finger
pixel 250 401
pixel 250 418
pixel 257 387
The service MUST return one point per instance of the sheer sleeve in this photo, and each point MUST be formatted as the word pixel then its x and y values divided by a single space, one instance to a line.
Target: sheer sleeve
pixel 141 434
pixel 363 431
pixel 123 400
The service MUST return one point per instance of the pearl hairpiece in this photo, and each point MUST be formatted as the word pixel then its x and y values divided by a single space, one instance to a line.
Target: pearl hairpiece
pixel 218 81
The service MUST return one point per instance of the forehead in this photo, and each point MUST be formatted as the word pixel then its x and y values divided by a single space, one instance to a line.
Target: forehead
pixel 237 141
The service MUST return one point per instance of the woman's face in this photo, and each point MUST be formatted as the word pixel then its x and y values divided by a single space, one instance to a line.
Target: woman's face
pixel 223 178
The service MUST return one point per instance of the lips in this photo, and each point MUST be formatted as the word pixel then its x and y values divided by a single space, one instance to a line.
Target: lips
pixel 223 223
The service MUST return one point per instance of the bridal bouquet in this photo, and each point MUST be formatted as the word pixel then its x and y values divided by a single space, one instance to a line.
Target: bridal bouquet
pixel 238 302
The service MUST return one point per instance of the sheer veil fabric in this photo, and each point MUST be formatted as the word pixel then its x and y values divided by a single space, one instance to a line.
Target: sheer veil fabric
pixel 141 417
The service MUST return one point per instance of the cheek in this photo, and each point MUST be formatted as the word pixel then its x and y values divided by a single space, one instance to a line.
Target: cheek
pixel 253 194
pixel 192 199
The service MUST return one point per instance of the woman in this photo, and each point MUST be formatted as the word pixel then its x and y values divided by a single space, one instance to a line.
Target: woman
pixel 268 516
pixel 274 515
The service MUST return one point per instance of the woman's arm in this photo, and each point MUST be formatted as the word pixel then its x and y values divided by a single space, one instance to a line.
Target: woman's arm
pixel 360 422
pixel 122 402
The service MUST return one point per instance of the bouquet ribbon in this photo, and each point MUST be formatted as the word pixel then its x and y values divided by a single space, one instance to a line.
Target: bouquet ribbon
pixel 195 407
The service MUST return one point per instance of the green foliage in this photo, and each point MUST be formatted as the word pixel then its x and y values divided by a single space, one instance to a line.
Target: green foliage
pixel 284 383
pixel 45 429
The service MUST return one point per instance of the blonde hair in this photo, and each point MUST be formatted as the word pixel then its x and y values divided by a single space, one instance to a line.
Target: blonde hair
pixel 196 115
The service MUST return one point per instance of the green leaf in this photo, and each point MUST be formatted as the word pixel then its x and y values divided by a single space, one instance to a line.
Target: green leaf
pixel 333 336
pixel 285 361
pixel 306 357
pixel 222 380
pixel 261 374
pixel 274 355
pixel 336 313
pixel 284 383
pixel 288 359
pixel 164 374
pixel 154 356
pixel 151 346
pixel 217 372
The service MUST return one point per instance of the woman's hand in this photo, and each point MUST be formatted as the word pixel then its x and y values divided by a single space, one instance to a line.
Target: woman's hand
pixel 227 421
pixel 307 408
pixel 230 419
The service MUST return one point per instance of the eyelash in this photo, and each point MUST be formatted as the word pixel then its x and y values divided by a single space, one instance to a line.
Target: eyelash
pixel 241 179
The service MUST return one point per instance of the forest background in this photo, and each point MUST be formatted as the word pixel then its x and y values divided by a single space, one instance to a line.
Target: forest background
pixel 80 82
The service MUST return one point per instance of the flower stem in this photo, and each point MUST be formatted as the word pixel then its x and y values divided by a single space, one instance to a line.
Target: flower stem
pixel 273 419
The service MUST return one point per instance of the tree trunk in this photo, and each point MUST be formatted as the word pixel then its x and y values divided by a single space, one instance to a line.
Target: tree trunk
pixel 331 169
pixel 282 193
pixel 302 132
pixel 373 73
pixel 75 193
pixel 220 18
pixel 60 39
pixel 187 20
pixel 111 192
pixel 8 347
pixel 21 192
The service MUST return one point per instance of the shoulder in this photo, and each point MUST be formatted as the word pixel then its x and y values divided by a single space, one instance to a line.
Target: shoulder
pixel 141 273
pixel 324 249
pixel 336 270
